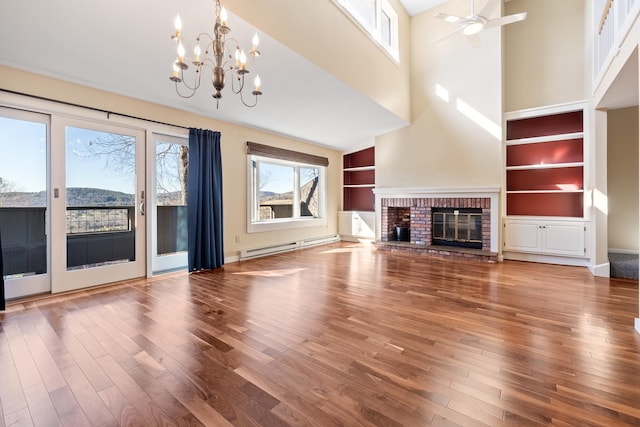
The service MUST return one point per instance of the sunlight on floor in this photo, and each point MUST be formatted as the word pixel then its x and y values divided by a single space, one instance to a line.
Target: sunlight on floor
pixel 357 247
pixel 272 273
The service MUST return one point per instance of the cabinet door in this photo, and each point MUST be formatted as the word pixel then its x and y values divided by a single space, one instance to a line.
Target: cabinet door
pixel 366 225
pixel 346 223
pixel 522 236
pixel 564 239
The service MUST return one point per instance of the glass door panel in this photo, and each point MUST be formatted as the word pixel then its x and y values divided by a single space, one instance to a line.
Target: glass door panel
pixel 169 229
pixel 101 196
pixel 103 211
pixel 23 202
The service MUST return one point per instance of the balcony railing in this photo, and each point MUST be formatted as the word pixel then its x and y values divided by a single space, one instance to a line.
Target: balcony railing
pixel 95 235
pixel 614 19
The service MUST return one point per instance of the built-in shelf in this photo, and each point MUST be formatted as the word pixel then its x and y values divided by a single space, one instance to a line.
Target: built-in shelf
pixel 363 168
pixel 547 138
pixel 545 165
pixel 359 180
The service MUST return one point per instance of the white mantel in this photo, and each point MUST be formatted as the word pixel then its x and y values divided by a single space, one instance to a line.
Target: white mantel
pixel 492 193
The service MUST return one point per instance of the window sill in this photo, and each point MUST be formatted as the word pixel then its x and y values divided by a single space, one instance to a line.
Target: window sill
pixel 286 224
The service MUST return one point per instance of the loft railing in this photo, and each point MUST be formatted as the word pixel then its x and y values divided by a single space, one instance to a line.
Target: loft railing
pixel 614 19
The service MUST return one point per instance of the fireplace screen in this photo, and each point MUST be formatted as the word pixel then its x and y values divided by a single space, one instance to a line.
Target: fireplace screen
pixel 457 227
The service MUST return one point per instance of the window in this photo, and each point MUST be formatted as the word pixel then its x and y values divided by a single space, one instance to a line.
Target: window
pixel 378 18
pixel 284 193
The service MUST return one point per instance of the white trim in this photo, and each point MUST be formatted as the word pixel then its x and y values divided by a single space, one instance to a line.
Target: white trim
pixel 623 251
pixel 546 110
pixel 600 270
pixel 547 259
pixel 401 192
pixel 637 325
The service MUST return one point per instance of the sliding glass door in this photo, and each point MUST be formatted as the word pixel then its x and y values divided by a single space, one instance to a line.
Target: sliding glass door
pixel 168 161
pixel 85 203
pixel 24 209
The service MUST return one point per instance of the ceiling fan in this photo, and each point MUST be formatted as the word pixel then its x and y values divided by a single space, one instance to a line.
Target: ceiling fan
pixel 474 23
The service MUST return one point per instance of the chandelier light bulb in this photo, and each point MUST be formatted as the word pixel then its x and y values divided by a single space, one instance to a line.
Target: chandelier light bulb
pixel 257 83
pixel 196 53
pixel 178 24
pixel 223 17
pixel 243 59
pixel 180 52
pixel 256 40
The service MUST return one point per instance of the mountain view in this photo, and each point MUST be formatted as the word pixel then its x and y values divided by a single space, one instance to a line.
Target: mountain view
pixel 83 197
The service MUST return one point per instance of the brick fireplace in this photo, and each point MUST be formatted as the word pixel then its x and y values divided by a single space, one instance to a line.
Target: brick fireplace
pixel 411 210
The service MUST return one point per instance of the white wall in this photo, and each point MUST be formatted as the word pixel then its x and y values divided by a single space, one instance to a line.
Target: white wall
pixel 546 56
pixel 324 35
pixel 454 140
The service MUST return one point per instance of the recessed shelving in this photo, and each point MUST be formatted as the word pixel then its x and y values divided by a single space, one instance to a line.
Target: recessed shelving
pixel 545 165
pixel 359 180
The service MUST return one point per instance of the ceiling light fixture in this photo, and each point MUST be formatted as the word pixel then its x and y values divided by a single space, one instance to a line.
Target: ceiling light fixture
pixel 216 59
pixel 473 26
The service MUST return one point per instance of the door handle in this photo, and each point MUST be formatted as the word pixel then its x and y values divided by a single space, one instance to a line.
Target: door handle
pixel 142 203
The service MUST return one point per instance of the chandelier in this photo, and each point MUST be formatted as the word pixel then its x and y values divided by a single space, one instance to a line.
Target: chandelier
pixel 216 60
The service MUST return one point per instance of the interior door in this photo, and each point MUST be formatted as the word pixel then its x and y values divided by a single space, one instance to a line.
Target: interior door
pixel 24 202
pixel 168 164
pixel 98 204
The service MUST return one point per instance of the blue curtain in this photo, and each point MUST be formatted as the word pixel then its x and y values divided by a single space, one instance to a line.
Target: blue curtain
pixel 204 201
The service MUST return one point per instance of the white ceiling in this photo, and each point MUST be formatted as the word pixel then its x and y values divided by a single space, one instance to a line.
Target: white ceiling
pixel 414 7
pixel 124 46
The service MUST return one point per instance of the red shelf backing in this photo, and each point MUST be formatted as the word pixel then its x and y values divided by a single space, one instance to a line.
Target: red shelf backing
pixel 359 177
pixel 366 157
pixel 545 179
pixel 555 124
pixel 546 204
pixel 563 151
pixel 359 199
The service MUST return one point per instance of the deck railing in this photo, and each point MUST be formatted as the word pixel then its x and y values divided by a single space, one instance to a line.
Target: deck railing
pixel 95 235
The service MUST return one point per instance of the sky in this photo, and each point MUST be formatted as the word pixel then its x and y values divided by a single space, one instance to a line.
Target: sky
pixel 23 159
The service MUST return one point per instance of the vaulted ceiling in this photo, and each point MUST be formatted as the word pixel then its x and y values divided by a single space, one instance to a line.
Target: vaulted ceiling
pixel 124 47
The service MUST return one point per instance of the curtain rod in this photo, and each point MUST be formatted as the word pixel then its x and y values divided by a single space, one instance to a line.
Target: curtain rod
pixel 108 113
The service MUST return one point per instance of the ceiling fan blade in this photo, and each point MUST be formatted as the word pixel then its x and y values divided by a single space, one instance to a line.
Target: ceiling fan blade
pixel 447 36
pixel 505 20
pixel 474 40
pixel 449 18
pixel 489 7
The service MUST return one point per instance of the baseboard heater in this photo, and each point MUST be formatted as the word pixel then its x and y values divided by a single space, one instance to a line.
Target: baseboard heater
pixel 285 247
pixel 319 241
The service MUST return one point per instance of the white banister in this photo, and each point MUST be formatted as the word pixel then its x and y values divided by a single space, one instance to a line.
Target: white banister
pixel 612 21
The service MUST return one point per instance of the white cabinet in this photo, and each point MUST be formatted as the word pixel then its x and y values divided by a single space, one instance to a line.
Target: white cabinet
pixel 564 238
pixel 354 225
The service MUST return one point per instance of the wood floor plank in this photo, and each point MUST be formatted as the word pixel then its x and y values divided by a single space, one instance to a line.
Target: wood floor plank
pixel 334 335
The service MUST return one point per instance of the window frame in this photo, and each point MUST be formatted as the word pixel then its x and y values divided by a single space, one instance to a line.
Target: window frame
pixel 382 6
pixel 255 225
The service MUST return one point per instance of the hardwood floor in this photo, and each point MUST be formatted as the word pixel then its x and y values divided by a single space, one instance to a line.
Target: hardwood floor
pixel 328 336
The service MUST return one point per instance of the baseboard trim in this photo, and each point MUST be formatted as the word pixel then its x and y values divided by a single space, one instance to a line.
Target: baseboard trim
pixel 623 251
pixel 601 270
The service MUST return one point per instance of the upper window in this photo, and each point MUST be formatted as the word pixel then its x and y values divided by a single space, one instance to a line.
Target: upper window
pixel 378 18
